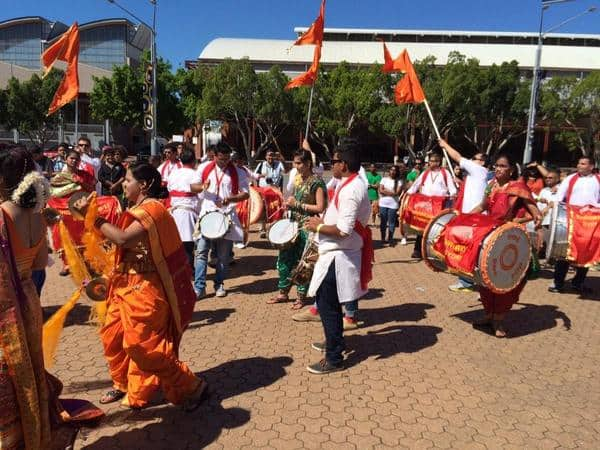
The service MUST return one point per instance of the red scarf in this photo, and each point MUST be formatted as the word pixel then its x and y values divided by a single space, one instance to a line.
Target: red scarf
pixel 428 171
pixel 572 182
pixel 367 254
pixel 235 187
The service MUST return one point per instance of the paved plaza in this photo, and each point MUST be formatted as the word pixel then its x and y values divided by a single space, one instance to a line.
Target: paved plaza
pixel 419 376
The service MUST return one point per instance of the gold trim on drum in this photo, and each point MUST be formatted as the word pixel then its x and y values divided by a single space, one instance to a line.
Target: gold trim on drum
pixel 424 246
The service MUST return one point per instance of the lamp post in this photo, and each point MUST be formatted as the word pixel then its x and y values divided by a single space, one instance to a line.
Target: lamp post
pixel 153 136
pixel 535 83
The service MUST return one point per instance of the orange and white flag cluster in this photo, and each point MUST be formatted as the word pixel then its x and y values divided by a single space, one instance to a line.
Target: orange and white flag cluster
pixel 312 36
pixel 66 48
pixel 408 89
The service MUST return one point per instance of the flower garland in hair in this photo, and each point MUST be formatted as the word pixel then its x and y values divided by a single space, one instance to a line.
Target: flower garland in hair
pixel 41 186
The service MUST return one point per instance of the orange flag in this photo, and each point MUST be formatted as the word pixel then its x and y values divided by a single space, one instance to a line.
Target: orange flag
pixel 312 36
pixel 408 89
pixel 66 48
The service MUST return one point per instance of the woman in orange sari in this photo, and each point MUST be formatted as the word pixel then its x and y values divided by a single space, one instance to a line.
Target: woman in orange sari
pixel 506 199
pixel 31 415
pixel 150 300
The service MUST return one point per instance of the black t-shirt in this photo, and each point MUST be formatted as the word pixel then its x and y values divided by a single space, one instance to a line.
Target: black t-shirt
pixel 108 175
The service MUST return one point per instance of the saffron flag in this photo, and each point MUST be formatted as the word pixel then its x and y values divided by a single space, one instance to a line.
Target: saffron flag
pixel 312 36
pixel 408 89
pixel 66 48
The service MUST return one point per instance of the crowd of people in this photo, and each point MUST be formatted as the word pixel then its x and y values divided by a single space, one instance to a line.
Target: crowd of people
pixel 173 217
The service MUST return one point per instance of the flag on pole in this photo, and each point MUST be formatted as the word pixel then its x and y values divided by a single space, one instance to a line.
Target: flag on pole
pixel 408 89
pixel 66 48
pixel 312 36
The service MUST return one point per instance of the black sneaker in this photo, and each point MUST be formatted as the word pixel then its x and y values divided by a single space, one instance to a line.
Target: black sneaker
pixel 323 367
pixel 318 346
pixel 581 289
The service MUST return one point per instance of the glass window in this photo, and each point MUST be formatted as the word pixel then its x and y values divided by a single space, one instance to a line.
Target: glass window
pixel 103 47
pixel 21 45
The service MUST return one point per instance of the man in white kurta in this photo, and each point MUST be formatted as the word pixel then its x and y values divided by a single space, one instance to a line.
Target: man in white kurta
pixel 184 202
pixel 219 193
pixel 433 182
pixel 170 163
pixel 580 189
pixel 337 275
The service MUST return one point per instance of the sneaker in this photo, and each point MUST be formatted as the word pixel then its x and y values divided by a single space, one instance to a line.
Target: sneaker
pixel 212 263
pixel 263 235
pixel 239 245
pixel 458 287
pixel 323 367
pixel 221 292
pixel 318 346
pixel 308 315
pixel 350 323
pixel 200 294
pixel 555 290
pixel 580 289
pixel 403 241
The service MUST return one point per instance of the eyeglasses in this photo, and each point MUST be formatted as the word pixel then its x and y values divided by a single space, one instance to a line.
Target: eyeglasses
pixel 84 145
pixel 335 161
pixel 501 166
pixel 550 178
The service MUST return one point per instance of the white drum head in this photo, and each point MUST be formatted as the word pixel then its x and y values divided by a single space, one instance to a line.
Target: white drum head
pixel 214 225
pixel 283 231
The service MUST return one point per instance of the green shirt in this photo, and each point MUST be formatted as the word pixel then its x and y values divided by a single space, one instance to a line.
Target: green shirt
pixel 412 175
pixel 373 179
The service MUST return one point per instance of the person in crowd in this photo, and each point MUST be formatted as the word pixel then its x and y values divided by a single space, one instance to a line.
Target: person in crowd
pixel 59 161
pixel 44 165
pixel 390 188
pixel 89 162
pixel 415 171
pixel 343 269
pixel 507 199
pixel 374 178
pixel 170 163
pixel 435 181
pixel 309 199
pixel 184 202
pixel 155 161
pixel 579 189
pixel 470 195
pixel 32 416
pixel 111 174
pixel 222 186
pixel 271 171
pixel 150 300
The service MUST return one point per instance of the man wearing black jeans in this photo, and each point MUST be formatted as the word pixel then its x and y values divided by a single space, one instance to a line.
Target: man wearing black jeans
pixel 341 236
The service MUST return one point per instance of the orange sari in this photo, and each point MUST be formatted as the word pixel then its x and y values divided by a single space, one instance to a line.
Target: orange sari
pixel 150 303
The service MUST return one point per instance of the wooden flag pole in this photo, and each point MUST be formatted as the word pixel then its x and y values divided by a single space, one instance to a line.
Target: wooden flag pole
pixel 437 133
pixel 312 90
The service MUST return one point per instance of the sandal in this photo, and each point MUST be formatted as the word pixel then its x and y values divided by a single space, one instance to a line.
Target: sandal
pixel 281 298
pixel 195 400
pixel 111 396
pixel 299 303
pixel 65 272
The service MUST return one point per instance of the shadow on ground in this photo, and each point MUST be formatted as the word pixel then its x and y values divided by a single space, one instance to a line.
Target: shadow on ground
pixel 406 312
pixel 209 317
pixel 524 319
pixel 172 428
pixel 79 315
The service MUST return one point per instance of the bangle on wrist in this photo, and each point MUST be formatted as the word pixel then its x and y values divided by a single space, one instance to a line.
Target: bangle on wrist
pixel 321 225
pixel 99 222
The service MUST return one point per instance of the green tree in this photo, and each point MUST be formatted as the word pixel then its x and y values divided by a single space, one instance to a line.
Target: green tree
pixel 26 105
pixel 587 95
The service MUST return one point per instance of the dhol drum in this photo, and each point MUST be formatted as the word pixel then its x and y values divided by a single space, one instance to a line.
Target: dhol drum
pixel 492 255
pixel 213 225
pixel 257 206
pixel 303 272
pixel 557 243
pixel 416 210
pixel 283 233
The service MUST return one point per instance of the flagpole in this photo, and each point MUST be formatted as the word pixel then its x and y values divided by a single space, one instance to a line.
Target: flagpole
pixel 76 118
pixel 312 90
pixel 437 133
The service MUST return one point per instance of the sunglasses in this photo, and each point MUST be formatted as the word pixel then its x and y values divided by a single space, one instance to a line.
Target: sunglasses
pixel 335 161
pixel 84 145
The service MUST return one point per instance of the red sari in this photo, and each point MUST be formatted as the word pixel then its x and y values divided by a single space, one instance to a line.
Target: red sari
pixel 505 203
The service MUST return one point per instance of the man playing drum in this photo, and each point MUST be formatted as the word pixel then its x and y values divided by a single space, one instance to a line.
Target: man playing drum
pixel 345 259
pixel 222 186
pixel 580 189
pixel 435 181
pixel 470 194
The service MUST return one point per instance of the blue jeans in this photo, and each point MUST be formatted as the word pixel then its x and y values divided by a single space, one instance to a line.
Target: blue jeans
pixel 388 218
pixel 39 278
pixel 330 311
pixel 223 248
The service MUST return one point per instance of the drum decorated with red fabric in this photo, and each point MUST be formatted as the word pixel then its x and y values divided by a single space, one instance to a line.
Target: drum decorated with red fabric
pixel 479 248
pixel 417 210
pixel 273 203
pixel 256 205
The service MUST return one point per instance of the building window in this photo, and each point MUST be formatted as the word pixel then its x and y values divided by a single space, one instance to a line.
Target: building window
pixel 103 47
pixel 21 45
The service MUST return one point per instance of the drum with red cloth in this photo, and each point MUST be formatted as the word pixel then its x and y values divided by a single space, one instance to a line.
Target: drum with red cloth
pixel 417 210
pixel 251 210
pixel 483 250
pixel 273 203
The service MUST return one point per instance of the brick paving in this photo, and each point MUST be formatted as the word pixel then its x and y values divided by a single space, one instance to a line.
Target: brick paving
pixel 419 375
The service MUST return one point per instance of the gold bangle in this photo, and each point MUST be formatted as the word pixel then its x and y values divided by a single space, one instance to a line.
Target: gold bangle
pixel 321 225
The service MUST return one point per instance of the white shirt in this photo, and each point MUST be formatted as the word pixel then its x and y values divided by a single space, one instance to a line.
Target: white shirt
pixel 346 252
pixel 585 192
pixel 389 201
pixel 95 163
pixel 184 209
pixel 219 191
pixel 550 197
pixel 475 184
pixel 334 182
pixel 435 184
pixel 166 168
pixel 274 172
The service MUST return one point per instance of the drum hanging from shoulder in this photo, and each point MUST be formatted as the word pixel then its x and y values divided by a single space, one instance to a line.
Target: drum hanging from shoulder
pixel 257 206
pixel 283 233
pixel 213 225
pixel 557 243
pixel 417 210
pixel 493 255
pixel 303 272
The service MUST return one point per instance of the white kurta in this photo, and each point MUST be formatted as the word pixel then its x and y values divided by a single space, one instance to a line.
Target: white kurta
pixel 219 189
pixel 184 209
pixel 346 252
pixel 436 184
pixel 166 168
pixel 585 192
pixel 475 184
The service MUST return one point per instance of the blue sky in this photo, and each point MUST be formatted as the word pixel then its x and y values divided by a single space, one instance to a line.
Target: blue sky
pixel 186 26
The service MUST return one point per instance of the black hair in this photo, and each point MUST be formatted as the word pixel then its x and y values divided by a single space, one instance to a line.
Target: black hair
pixel 171 146
pixel 144 172
pixel 349 150
pixel 436 154
pixel 589 158
pixel 304 155
pixel 36 150
pixel 397 178
pixel 511 162
pixel 187 156
pixel 86 139
pixel 121 150
pixel 223 148
pixel 64 145
pixel 16 162
pixel 211 148
pixel 71 151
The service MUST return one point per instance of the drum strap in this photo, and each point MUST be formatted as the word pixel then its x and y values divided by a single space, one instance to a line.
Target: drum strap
pixel 444 174
pixel 231 169
pixel 572 182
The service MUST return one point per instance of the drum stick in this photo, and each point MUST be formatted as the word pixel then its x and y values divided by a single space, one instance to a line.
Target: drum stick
pixel 437 133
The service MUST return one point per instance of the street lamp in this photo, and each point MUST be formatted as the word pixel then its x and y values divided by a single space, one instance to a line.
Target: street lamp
pixel 537 73
pixel 153 138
